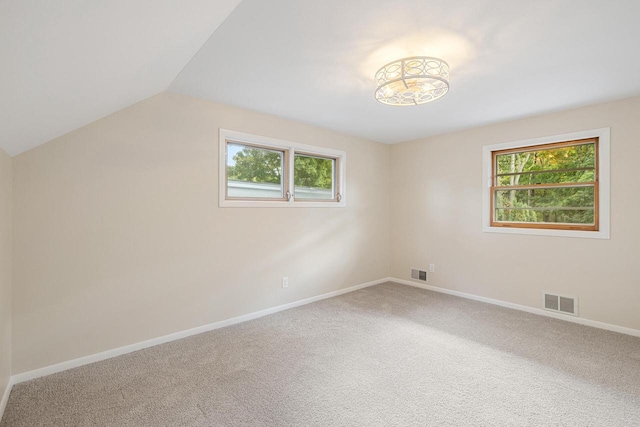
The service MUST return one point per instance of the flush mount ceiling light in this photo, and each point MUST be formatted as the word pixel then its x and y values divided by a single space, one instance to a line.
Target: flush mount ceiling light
pixel 412 81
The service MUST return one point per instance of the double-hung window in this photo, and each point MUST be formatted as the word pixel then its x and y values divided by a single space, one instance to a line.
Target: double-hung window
pixel 552 186
pixel 256 171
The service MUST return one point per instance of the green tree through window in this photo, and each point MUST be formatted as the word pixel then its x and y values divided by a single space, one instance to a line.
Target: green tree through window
pixel 552 184
pixel 257 171
pixel 310 171
pixel 265 166
pixel 256 165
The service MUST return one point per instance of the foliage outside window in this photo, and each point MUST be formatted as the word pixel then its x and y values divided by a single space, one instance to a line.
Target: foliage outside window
pixel 550 186
pixel 254 172
pixel 314 177
pixel 258 171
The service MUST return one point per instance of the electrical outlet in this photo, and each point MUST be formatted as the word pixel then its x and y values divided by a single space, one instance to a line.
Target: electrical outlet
pixel 432 268
pixel 285 282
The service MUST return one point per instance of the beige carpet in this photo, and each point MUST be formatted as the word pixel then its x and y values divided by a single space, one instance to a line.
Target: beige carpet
pixel 389 355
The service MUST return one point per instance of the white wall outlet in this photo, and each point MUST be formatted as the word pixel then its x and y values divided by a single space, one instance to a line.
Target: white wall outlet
pixel 285 282
pixel 432 268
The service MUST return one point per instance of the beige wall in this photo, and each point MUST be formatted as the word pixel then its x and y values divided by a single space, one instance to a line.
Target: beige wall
pixel 437 209
pixel 5 270
pixel 119 237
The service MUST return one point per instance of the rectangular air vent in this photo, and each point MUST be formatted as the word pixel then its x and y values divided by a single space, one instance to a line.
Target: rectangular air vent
pixel 551 302
pixel 420 275
pixel 560 304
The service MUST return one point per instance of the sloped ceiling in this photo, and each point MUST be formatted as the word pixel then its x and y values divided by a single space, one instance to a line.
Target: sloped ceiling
pixel 65 63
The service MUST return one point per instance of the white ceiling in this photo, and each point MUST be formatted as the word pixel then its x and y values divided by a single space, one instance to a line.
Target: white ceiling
pixel 314 61
pixel 65 63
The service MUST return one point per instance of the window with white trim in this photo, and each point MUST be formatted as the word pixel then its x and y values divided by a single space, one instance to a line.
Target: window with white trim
pixel 553 186
pixel 257 171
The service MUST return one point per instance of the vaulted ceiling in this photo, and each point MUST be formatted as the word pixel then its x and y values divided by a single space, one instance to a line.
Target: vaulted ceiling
pixel 66 63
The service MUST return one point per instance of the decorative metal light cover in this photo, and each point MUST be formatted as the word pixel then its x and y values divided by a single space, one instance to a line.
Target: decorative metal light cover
pixel 412 81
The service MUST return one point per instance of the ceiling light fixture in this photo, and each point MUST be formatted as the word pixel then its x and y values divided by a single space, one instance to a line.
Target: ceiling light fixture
pixel 412 81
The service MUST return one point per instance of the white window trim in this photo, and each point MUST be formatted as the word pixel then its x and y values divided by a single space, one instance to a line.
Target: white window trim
pixel 604 172
pixel 292 148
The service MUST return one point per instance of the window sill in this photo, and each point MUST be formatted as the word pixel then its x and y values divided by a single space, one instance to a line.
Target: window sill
pixel 274 204
pixel 602 234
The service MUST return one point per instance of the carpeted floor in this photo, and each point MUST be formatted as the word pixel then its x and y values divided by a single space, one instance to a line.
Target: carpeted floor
pixel 389 355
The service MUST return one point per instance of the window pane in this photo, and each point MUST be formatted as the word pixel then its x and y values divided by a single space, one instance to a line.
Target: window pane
pixel 573 205
pixel 254 172
pixel 556 165
pixel 314 177
pixel 568 216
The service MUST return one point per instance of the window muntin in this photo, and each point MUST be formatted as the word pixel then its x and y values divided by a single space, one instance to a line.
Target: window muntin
pixel 550 186
pixel 314 177
pixel 255 172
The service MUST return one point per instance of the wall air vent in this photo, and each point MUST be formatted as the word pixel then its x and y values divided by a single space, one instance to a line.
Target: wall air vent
pixel 560 304
pixel 420 275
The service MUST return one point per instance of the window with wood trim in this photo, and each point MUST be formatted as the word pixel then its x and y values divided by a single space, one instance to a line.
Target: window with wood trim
pixel 546 186
pixel 257 171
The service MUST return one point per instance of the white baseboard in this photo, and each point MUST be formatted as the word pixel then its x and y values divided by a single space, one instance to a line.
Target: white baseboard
pixel 5 397
pixel 539 311
pixel 81 361
pixel 75 363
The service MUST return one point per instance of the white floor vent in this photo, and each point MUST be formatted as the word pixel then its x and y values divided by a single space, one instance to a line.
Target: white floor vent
pixel 420 275
pixel 560 304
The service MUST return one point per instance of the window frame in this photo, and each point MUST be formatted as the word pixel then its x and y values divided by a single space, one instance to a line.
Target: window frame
pixel 285 171
pixel 601 228
pixel 290 149
pixel 545 225
pixel 335 179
